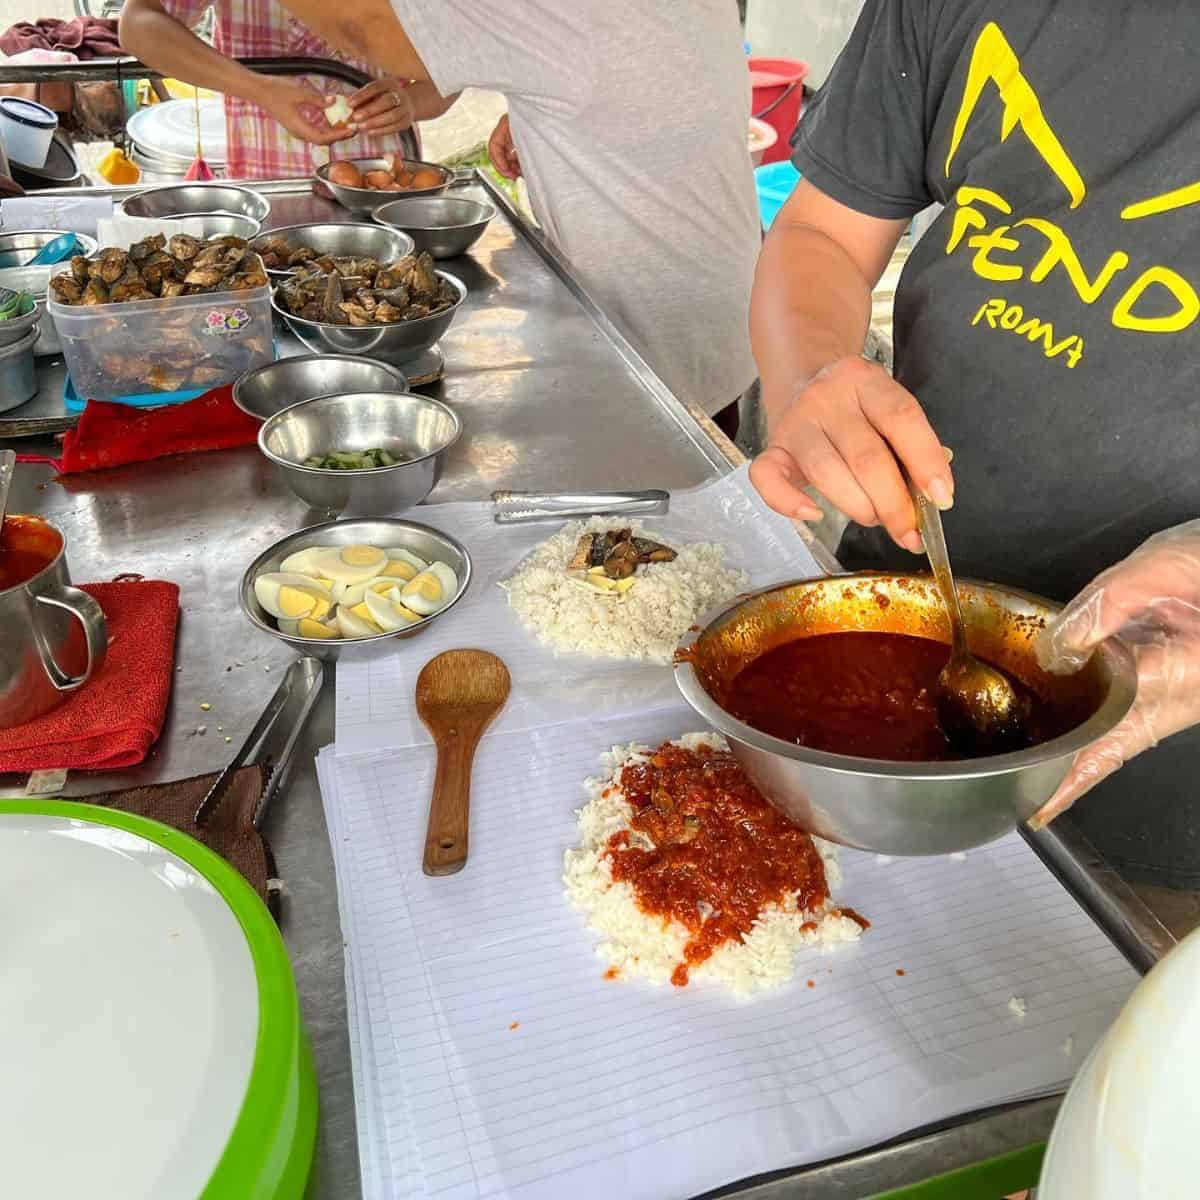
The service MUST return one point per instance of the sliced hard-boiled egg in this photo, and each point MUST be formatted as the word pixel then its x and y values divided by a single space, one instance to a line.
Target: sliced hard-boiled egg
pixel 307 627
pixel 387 613
pixel 302 561
pixel 400 570
pixel 432 589
pixel 403 564
pixel 291 628
pixel 290 596
pixel 350 564
pixel 356 622
pixel 351 594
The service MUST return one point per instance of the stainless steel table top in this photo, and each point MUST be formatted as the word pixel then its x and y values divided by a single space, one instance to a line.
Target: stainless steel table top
pixel 551 399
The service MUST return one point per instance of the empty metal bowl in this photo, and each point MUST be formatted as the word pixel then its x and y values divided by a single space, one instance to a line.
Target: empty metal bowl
pixel 214 225
pixel 421 540
pixel 347 239
pixel 900 807
pixel 444 225
pixel 366 200
pixel 414 429
pixel 197 200
pixel 398 343
pixel 18 247
pixel 271 388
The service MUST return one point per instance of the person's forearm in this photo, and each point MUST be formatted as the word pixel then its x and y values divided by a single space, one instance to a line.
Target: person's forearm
pixel 428 102
pixel 366 29
pixel 811 306
pixel 162 42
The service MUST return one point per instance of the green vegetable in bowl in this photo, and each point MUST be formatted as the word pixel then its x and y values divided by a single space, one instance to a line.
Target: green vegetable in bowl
pixel 14 304
pixel 352 460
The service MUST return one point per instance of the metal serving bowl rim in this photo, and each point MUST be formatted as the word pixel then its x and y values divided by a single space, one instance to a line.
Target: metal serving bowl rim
pixel 1114 707
pixel 5 234
pixel 322 173
pixel 374 472
pixel 490 209
pixel 258 197
pixel 288 272
pixel 309 357
pixel 221 216
pixel 256 568
pixel 366 329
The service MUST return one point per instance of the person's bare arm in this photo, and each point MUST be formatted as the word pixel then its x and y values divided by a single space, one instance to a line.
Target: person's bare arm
pixel 429 103
pixel 835 421
pixel 364 29
pixel 162 42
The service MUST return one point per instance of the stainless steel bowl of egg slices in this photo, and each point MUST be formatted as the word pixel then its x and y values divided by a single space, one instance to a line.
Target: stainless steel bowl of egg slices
pixel 354 581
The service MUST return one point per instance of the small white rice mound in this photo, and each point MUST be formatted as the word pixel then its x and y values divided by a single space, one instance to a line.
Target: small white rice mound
pixel 647 625
pixel 637 944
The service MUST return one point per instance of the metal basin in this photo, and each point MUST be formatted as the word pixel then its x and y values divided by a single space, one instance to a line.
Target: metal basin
pixel 890 807
pixel 269 389
pixel 349 239
pixel 18 247
pixel 227 225
pixel 18 374
pixel 399 343
pixel 412 427
pixel 197 200
pixel 366 200
pixel 444 225
pixel 421 540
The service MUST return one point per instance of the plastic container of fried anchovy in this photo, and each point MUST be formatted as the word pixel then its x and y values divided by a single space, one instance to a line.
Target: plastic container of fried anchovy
pixel 180 343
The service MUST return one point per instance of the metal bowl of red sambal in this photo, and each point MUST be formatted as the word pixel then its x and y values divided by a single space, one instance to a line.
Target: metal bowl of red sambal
pixel 824 690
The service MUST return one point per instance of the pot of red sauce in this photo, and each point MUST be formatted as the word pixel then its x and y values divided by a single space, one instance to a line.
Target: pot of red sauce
pixel 52 635
pixel 823 690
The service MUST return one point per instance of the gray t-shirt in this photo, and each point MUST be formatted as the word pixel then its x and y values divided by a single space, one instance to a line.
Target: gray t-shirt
pixel 1049 320
pixel 631 121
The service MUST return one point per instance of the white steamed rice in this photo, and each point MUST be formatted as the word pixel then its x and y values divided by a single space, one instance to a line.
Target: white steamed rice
pixel 665 600
pixel 637 944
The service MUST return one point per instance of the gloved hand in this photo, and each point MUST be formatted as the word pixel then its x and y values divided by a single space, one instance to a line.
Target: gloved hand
pixel 1151 601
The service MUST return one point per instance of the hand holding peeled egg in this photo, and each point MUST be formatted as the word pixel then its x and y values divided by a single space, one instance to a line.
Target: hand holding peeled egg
pixel 300 109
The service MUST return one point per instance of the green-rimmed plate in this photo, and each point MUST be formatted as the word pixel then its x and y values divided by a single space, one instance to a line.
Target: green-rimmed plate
pixel 150 1031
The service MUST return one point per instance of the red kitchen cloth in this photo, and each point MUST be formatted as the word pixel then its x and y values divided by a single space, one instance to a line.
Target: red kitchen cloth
pixel 110 435
pixel 114 719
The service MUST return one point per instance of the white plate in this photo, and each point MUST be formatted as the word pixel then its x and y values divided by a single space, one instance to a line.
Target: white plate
pixel 168 130
pixel 128 1015
pixel 1127 1129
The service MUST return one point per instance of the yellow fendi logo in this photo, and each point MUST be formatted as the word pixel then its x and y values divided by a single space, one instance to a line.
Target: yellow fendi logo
pixel 1000 248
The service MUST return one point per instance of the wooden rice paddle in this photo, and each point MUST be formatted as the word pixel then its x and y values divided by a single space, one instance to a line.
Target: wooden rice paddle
pixel 459 694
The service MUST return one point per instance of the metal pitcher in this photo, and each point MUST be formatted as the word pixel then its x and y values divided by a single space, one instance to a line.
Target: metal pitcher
pixel 52 636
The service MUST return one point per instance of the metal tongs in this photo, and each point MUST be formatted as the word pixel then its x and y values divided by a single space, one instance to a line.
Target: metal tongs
pixel 515 508
pixel 272 741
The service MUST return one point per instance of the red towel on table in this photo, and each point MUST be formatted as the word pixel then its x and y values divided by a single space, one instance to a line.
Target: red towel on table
pixel 110 435
pixel 114 719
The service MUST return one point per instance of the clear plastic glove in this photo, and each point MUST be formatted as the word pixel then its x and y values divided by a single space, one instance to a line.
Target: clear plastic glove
pixel 1151 601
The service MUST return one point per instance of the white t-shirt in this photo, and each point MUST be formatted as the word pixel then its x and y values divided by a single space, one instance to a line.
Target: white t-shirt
pixel 631 122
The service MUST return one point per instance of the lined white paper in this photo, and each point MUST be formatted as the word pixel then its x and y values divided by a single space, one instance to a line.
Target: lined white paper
pixel 610 1088
pixel 375 683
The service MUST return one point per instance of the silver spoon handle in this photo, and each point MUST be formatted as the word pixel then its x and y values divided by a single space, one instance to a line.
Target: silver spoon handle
pixel 8 463
pixel 934 537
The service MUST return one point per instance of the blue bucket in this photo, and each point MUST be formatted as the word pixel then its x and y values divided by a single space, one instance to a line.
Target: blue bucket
pixel 775 183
